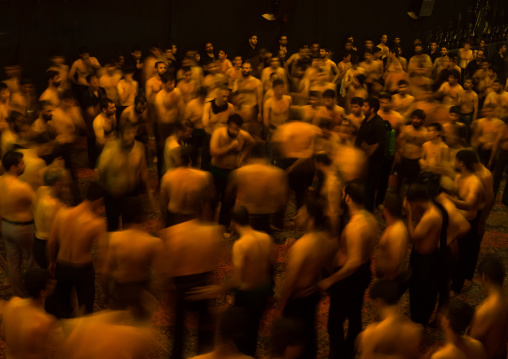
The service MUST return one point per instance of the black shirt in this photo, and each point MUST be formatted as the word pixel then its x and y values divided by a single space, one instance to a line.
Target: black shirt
pixel 372 132
pixel 88 98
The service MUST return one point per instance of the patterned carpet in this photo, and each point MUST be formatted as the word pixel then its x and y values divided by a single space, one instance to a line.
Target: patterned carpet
pixel 495 242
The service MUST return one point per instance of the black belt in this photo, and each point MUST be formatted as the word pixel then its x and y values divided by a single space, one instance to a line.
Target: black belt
pixel 18 223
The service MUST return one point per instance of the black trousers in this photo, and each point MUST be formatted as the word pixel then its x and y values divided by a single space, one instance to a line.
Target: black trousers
pixel 384 176
pixel 254 302
pixel 469 249
pixel 206 158
pixel 346 301
pixel 408 169
pixel 39 251
pixel 129 296
pixel 260 222
pixel 500 165
pixel 69 277
pixel 423 286
pixel 304 311
pixel 300 178
pixel 220 178
pixel 196 143
pixel 114 208
pixel 184 285
pixel 162 131
pixel 372 183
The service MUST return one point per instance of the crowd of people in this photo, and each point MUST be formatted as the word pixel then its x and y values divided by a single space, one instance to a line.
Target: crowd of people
pixel 423 141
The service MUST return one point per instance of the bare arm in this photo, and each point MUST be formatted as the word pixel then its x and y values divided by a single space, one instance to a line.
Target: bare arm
pixel 266 113
pixel 294 268
pixel 72 72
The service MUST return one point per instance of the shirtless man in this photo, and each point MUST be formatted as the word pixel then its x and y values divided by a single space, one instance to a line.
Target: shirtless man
pixel 410 148
pixel 51 94
pixel 82 67
pixel 470 199
pixel 46 204
pixel 490 321
pixel 16 198
pixel 454 322
pixel 393 246
pixel 109 81
pixel 185 192
pixel 229 146
pixel 451 90
pixel 352 272
pixel 170 108
pixel 214 80
pixel 175 145
pixel 251 103
pixel 264 189
pixel 274 68
pixel 127 87
pixel 307 258
pixel 104 124
pixel 402 101
pixel 275 112
pixel 187 86
pixel 485 132
pixel 26 329
pixel 154 84
pixel 137 114
pixel 129 257
pixel 388 114
pixel 500 149
pixel 329 65
pixel 454 132
pixel 123 172
pixel 73 233
pixel 5 108
pixel 313 105
pixel 372 69
pixel 191 252
pixel 425 258
pixel 383 40
pixel 235 72
pixel 394 335
pixel 356 115
pixel 435 153
pixel 194 111
pixel 329 110
pixel 223 62
pixel 499 98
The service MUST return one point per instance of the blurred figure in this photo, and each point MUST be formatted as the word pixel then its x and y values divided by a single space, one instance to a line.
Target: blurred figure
pixel 104 125
pixel 130 256
pixel 70 241
pixel 393 335
pixel 52 93
pixel 16 198
pixel 13 73
pixel 485 132
pixel 490 321
pixel 5 105
pixel 177 144
pixel 83 67
pixel 26 329
pixel 109 81
pixel 455 320
pixel 251 106
pixel 500 149
pixel 286 339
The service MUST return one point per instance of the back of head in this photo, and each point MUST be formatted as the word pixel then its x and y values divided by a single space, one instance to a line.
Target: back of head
pixel 133 211
pixel 455 110
pixel 258 151
pixel 419 114
pixel 94 192
pixel 316 210
pixel 285 333
pixel 356 191
pixel 393 204
pixel 240 215
pixel 469 158
pixel 277 82
pixel 357 101
pixel 232 324
pixel 493 270
pixel 167 77
pixel 35 280
pixel 436 126
pixel 387 290
pixel 11 158
pixel 53 175
pixel 329 94
pixel 236 119
pixel 373 103
pixel 418 192
pixel 459 314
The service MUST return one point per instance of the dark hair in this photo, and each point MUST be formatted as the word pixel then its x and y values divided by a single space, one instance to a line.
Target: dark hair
pixel 83 50
pixel 385 96
pixel 125 126
pixel 493 269
pixel 373 103
pixel 459 314
pixel 376 49
pixel 277 82
pixel 11 158
pixel 35 280
pixel 367 51
pixel 325 123
pixel 236 119
pixel 497 81
pixel 258 150
pixel 419 114
pixel 94 192
pixel 403 82
pixel 436 126
pixel 139 99
pixel 286 332
pixel 201 91
pixel 44 103
pixel 128 69
pixel 51 74
pixel 328 94
pixel 357 101
pixel 313 94
pixel 167 77
pixel 455 109
pixel 240 215
pixel 356 191
pixel 133 212
pixel 324 159
pixel 387 290
pixel 3 86
pixel 67 95
pixel 354 59
pixel 361 78
pixel 455 74
pixel 52 175
pixel 468 157
pixel 418 192
pixel 315 209
pixel 158 63
pixel 232 324
pixel 393 204
pixel 104 103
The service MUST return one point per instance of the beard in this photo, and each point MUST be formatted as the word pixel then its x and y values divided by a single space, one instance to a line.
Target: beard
pixel 232 135
pixel 417 125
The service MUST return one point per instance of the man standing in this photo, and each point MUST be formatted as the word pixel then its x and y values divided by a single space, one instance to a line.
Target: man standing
pixel 52 93
pixel 250 90
pixel 16 199
pixel 229 147
pixel 352 272
pixel 371 138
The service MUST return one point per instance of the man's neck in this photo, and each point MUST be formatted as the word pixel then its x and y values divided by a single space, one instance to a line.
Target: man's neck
pixel 436 140
pixel 278 97
pixel 354 209
pixel 494 290
pixel 243 230
pixel 389 312
pixel 391 220
pixel 370 117
pixel 452 337
pixel 465 173
pixel 12 173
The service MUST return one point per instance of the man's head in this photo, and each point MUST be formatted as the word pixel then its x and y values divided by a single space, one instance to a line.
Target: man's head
pixel 53 78
pixel 418 49
pixel 376 53
pixel 370 106
pixel 234 124
pixel 384 39
pixel 136 53
pixel 37 282
pixel 239 217
pixel 160 67
pixel 253 40
pixel 491 271
pixel 468 83
pixel 353 193
pixel 128 70
pixel 367 55
pixel 385 101
pixel 457 316
pixel 84 53
pixel 466 160
pixel 433 46
pixel 168 80
pixel 5 94
pixel 237 61
pixel 140 104
pixel 369 44
pixel 283 40
pixel 311 215
pixel 489 110
pixel 287 338
pixel 13 163
pixel 93 82
pixel 417 118
pixel 454 114
pixel 314 47
pixel 392 206
pixel 434 130
pixel 209 48
pixel 396 40
pixel 274 62
pixel 480 55
pixel 278 88
pixel 443 51
pixel 184 130
pixel 403 87
pixel 108 107
pixel 55 177
pixel 497 86
pixel 46 110
pixel 222 55
pixel 501 49
pixel 128 132
pixel 384 293
pixel 222 96
pixel 356 106
pixel 454 77
pixel 418 195
pixel 94 194
pixel 329 98
pixel 246 69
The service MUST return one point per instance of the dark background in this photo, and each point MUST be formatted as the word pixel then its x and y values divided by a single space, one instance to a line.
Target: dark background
pixel 31 30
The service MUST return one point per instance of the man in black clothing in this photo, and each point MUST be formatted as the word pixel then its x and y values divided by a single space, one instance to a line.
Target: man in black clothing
pixel 371 138
pixel 497 61
pixel 250 52
pixel 134 60
pixel 208 56
pixel 473 66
